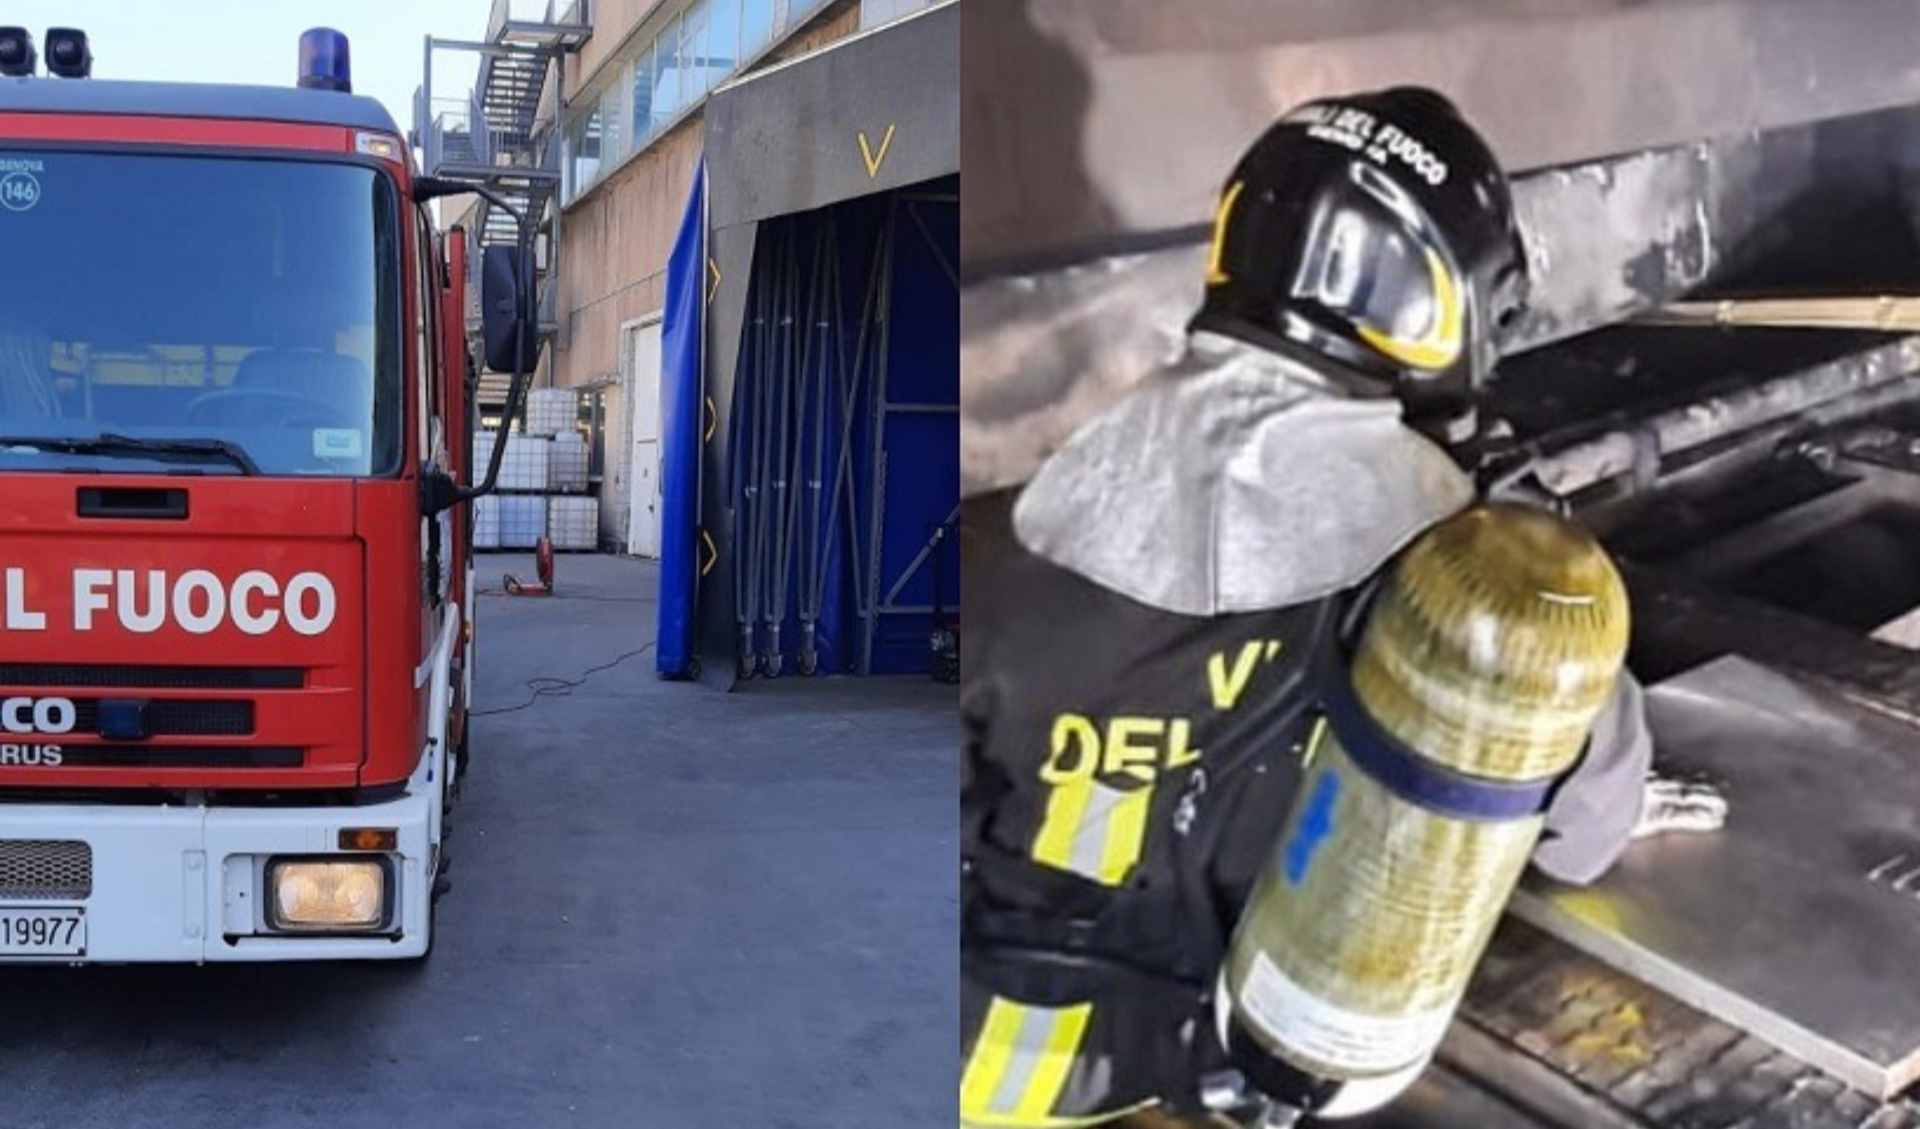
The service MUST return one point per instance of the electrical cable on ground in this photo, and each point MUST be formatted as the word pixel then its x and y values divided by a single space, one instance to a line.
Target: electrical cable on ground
pixel 550 687
pixel 594 599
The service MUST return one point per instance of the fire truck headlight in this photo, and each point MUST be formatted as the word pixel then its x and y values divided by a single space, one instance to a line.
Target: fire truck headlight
pixel 310 895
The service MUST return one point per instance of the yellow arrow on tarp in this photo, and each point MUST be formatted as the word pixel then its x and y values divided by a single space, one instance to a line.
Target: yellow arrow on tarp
pixel 871 158
pixel 713 269
pixel 713 421
pixel 713 554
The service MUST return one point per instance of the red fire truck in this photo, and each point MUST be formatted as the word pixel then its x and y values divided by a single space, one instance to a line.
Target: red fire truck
pixel 236 629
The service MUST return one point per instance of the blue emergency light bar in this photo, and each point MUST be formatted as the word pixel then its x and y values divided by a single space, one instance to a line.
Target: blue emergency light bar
pixel 324 63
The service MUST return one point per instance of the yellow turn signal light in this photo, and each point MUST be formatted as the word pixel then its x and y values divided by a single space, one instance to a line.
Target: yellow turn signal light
pixel 369 839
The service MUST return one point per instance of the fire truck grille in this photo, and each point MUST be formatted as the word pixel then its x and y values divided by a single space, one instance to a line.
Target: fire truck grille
pixel 154 677
pixel 183 756
pixel 34 870
pixel 178 719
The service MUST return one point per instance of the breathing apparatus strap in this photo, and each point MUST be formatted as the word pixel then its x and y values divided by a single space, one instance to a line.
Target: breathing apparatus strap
pixel 1419 780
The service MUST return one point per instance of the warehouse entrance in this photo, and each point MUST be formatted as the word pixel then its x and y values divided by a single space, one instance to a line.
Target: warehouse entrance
pixel 812 433
pixel 844 467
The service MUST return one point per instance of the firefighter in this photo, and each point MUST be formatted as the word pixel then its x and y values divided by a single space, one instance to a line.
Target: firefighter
pixel 1160 602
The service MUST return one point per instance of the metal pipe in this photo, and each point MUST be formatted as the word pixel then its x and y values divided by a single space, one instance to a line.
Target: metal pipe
pixel 748 397
pixel 849 393
pixel 932 546
pixel 762 423
pixel 1885 313
pixel 877 423
pixel 813 561
pixel 796 465
pixel 765 378
pixel 1584 463
pixel 779 434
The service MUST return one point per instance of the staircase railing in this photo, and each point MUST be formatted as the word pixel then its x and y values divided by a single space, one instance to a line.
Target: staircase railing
pixel 493 134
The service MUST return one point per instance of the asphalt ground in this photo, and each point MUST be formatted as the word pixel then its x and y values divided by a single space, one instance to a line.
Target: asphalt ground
pixel 670 907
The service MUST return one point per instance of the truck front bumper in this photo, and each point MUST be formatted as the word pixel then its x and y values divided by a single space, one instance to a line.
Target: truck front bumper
pixel 187 884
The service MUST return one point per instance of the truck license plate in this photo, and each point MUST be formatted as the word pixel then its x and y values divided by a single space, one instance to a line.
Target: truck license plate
pixel 43 932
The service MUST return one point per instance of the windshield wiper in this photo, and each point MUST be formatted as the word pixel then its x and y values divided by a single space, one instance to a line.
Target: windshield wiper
pixel 109 444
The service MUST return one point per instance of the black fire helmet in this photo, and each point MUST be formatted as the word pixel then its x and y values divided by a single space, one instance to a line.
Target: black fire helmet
pixel 1376 231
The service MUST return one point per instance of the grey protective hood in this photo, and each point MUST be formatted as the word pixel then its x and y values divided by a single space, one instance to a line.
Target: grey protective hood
pixel 1237 481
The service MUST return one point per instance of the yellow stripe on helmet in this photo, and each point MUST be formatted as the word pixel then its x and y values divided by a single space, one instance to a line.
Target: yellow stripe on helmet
pixel 1216 269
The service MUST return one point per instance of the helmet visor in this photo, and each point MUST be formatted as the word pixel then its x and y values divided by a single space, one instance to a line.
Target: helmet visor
pixel 1371 260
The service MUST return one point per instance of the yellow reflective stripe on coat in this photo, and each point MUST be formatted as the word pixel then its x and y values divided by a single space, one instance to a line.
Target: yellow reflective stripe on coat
pixel 1314 737
pixel 989 1121
pixel 1020 1063
pixel 1093 830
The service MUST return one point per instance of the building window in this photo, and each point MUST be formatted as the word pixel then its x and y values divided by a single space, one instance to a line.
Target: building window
pixel 643 84
pixel 723 42
pixel 583 150
pixel 756 27
pixel 694 60
pixel 666 77
pixel 610 113
pixel 665 74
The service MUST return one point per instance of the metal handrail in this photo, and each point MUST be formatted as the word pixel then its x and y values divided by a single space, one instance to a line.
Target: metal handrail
pixel 488 145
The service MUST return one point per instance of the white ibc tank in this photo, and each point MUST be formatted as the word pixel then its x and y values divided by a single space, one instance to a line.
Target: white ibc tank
pixel 523 521
pixel 482 452
pixel 551 411
pixel 486 522
pixel 574 523
pixel 525 465
pixel 567 463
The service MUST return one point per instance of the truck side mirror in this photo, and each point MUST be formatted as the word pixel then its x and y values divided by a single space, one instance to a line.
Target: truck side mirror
pixel 503 309
pixel 438 491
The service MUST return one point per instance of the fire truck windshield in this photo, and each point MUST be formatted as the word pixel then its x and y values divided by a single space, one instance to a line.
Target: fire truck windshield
pixel 207 302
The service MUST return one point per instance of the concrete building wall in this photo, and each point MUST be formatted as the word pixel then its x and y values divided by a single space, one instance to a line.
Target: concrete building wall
pixel 835 21
pixel 616 236
pixel 613 254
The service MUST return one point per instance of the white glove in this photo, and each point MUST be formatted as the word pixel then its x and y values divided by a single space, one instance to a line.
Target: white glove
pixel 1679 805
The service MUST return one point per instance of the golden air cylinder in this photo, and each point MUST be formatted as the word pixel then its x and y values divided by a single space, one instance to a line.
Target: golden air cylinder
pixel 1486 659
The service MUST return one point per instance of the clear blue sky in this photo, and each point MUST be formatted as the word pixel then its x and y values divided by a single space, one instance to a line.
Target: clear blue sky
pixel 257 41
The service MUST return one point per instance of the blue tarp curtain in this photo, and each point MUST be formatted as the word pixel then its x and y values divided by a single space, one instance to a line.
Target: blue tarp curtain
pixel 682 332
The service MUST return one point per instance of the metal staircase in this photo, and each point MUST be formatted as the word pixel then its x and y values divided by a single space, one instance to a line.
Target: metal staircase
pixel 493 134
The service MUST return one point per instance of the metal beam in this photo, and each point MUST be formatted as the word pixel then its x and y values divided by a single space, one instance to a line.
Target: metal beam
pixel 1608 239
pixel 1787 923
